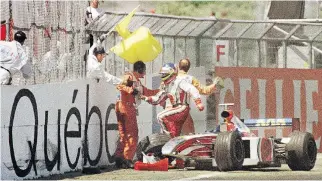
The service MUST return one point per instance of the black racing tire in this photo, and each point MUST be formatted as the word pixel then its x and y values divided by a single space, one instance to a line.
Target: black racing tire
pixel 301 151
pixel 152 144
pixel 229 151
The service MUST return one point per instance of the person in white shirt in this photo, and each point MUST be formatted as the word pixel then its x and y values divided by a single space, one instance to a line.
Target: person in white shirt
pixel 95 69
pixel 92 12
pixel 14 58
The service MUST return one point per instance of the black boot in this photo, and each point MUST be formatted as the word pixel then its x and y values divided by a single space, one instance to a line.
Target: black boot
pixel 119 162
pixel 128 164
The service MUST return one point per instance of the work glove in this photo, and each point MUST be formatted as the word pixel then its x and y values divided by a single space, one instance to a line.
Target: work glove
pixel 129 83
pixel 135 92
pixel 199 105
pixel 218 82
pixel 145 98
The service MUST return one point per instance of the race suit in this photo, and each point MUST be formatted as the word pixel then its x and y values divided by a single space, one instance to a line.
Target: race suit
pixel 13 58
pixel 188 126
pixel 95 70
pixel 126 112
pixel 177 108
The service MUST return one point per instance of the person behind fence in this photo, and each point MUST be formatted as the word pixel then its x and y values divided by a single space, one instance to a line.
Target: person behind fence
pixel 14 58
pixel 126 109
pixel 92 12
pixel 184 66
pixel 174 93
pixel 95 69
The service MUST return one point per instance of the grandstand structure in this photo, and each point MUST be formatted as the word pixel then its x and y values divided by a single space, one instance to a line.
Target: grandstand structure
pixel 56 38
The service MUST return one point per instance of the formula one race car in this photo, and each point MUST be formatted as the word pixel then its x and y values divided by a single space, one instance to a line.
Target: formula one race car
pixel 233 146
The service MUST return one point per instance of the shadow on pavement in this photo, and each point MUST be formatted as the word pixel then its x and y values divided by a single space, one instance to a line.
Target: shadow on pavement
pixel 72 175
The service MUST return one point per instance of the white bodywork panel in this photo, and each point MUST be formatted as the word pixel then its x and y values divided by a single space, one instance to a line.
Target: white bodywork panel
pixel 169 147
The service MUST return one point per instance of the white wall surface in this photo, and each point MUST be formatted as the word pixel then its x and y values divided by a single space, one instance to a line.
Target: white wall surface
pixel 72 137
pixel 23 121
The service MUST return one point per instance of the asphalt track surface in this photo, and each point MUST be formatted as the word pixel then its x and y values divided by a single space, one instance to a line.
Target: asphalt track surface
pixel 283 173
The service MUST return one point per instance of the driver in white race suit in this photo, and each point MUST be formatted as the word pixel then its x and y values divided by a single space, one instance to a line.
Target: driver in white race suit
pixel 14 58
pixel 173 95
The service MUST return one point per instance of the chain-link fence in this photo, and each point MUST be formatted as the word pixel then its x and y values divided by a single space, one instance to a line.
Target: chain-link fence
pixel 55 31
pixel 271 43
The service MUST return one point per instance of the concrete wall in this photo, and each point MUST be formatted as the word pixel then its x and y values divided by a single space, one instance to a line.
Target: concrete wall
pixel 56 128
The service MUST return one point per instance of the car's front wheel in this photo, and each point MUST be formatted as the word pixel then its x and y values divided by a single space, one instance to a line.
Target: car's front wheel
pixel 229 151
pixel 152 144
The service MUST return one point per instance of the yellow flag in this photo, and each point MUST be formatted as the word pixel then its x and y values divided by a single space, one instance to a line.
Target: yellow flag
pixel 122 26
pixel 140 45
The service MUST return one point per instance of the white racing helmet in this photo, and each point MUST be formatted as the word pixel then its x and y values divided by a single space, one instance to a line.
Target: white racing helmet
pixel 168 72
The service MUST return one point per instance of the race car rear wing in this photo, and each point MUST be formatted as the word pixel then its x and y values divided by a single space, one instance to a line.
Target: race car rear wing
pixel 275 122
pixel 281 122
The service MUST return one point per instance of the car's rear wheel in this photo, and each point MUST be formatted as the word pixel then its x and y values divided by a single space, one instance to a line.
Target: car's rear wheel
pixel 301 151
pixel 229 151
pixel 152 144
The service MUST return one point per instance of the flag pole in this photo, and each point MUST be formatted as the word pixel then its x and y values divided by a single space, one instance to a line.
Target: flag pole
pixel 108 33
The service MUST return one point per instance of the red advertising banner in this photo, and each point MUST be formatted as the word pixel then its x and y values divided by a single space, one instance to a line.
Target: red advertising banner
pixel 275 93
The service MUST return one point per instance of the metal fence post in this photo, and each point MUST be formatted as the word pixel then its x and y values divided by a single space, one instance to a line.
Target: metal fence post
pixel 114 59
pixel 197 52
pixel 237 53
pixel 284 54
pixel 312 65
pixel 174 50
pixel 259 53
pixel 162 59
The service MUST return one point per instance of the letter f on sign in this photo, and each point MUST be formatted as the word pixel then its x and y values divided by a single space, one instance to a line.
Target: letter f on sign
pixel 218 47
